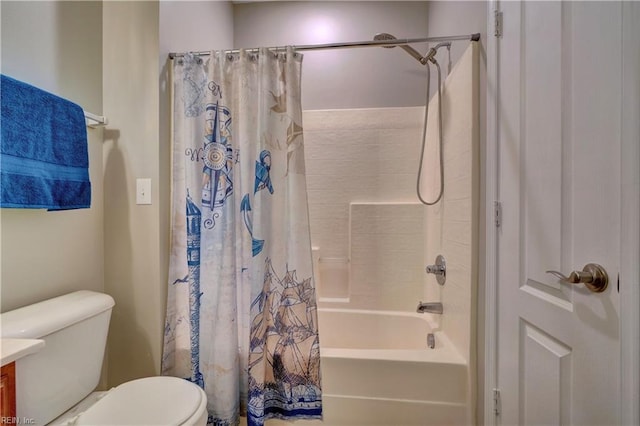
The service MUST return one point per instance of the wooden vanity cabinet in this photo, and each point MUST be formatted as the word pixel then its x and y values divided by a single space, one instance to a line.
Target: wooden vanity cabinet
pixel 8 394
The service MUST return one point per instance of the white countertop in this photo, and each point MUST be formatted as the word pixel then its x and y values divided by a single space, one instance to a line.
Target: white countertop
pixel 14 349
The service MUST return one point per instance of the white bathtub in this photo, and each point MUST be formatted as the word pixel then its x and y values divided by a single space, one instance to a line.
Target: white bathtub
pixel 378 370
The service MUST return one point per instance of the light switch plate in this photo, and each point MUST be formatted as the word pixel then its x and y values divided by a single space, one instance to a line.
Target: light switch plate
pixel 143 191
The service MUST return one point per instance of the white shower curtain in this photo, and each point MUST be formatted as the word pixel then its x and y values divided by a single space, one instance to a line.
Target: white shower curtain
pixel 241 311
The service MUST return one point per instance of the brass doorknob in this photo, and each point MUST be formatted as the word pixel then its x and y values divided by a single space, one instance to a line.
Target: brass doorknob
pixel 592 275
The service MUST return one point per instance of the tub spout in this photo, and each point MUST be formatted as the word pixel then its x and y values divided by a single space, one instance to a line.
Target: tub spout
pixel 431 307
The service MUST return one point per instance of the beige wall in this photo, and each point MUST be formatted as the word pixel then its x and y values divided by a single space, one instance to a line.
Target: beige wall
pixel 345 78
pixel 194 26
pixel 134 247
pixel 57 47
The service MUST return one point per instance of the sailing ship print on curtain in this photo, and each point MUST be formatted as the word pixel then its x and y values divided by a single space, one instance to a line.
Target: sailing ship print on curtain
pixel 241 309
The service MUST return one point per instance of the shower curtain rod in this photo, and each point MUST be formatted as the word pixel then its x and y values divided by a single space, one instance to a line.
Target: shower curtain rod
pixel 350 44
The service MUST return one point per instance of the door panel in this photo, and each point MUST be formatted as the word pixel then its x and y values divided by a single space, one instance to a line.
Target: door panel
pixel 545 377
pixel 541 145
pixel 559 160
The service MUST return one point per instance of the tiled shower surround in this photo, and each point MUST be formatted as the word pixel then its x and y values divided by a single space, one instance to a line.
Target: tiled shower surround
pixel 372 237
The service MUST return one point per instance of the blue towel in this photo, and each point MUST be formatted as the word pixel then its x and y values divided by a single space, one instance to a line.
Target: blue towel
pixel 44 160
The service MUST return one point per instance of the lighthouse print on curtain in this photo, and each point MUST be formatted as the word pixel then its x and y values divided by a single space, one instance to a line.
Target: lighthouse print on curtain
pixel 241 309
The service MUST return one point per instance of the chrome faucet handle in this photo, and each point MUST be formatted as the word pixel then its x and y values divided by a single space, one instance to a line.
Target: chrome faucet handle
pixel 435 269
pixel 439 269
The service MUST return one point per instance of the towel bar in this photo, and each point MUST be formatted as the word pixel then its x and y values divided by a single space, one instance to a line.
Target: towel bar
pixel 94 120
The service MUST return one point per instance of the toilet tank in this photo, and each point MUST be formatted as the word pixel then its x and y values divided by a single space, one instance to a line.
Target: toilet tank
pixel 74 328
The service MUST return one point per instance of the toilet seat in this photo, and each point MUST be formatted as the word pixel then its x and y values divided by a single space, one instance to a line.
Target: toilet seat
pixel 149 401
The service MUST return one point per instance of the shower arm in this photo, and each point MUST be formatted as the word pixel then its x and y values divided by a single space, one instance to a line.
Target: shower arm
pixel 424 60
pixel 432 52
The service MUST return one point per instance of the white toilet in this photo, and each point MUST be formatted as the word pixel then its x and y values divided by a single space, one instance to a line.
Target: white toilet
pixel 56 384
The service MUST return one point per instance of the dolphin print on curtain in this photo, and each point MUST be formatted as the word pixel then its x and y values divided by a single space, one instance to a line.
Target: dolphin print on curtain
pixel 241 316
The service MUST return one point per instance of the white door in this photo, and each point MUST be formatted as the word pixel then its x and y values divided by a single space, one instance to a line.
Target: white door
pixel 559 129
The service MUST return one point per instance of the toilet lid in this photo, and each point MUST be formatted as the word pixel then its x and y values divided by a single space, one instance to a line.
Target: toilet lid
pixel 148 401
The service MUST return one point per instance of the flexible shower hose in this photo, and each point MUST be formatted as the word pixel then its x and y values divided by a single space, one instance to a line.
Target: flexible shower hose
pixel 424 138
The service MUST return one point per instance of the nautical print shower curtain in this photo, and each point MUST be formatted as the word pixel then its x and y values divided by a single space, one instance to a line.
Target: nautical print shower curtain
pixel 241 311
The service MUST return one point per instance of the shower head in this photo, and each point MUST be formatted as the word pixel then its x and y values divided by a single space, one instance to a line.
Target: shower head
pixel 410 50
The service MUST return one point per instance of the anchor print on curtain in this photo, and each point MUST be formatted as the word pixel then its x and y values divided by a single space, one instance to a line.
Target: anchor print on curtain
pixel 241 316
